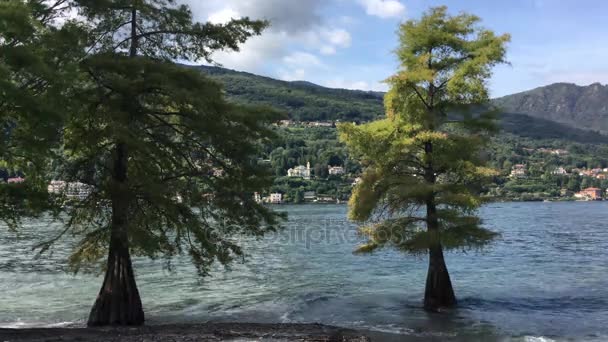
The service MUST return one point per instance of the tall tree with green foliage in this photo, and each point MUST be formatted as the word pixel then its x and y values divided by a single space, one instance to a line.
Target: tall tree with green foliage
pixel 171 164
pixel 423 165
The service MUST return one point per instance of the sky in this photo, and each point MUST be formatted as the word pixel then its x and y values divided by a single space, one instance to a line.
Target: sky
pixel 350 43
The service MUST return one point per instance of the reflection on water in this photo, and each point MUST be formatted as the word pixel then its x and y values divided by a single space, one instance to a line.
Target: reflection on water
pixel 545 279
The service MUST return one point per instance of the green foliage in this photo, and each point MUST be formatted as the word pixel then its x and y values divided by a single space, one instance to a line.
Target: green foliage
pixel 37 67
pixel 423 166
pixel 301 100
pixel 172 165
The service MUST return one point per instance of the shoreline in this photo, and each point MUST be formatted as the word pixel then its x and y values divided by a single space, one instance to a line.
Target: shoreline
pixel 197 332
pixel 496 200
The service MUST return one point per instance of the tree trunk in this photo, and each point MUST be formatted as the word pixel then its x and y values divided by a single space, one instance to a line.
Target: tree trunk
pixel 118 302
pixel 438 292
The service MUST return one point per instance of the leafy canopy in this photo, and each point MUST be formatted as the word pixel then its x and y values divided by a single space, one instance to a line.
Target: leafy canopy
pixel 191 167
pixel 36 69
pixel 426 153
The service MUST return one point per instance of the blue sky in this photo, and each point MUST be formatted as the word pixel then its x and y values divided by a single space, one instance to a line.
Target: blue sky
pixel 349 43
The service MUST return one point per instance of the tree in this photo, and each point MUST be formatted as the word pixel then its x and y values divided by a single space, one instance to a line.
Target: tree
pixel 320 171
pixel 298 195
pixel 173 164
pixel 422 163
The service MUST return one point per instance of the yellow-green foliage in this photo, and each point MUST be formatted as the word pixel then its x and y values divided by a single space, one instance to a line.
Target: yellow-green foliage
pixel 426 152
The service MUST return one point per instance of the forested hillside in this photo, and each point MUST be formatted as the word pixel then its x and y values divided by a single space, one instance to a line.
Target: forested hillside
pixel 566 103
pixel 303 101
pixel 529 140
pixel 526 114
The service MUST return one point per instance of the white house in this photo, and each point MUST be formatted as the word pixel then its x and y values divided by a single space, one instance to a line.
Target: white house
pixel 276 198
pixel 300 171
pixel 335 170
pixel 71 190
pixel 560 171
pixel 519 171
pixel 310 196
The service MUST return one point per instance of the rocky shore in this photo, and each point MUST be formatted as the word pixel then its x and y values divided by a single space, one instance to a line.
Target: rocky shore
pixel 242 332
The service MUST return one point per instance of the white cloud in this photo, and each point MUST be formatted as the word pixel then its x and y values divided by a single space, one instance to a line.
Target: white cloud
pixel 293 25
pixel 293 75
pixel 338 37
pixel 223 16
pixel 342 84
pixel 289 16
pixel 355 85
pixel 327 50
pixel 383 8
pixel 255 52
pixel 291 48
pixel 302 59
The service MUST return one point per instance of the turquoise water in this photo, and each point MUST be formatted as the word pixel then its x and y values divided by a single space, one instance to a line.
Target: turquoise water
pixel 545 279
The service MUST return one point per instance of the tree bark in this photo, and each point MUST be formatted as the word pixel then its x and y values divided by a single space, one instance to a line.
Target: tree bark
pixel 438 291
pixel 118 302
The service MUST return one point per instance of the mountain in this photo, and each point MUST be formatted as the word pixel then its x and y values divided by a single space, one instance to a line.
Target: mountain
pixel 302 100
pixel 575 106
pixel 543 113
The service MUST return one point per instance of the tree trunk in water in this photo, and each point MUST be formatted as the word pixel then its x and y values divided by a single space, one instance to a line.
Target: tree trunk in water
pixel 118 302
pixel 438 292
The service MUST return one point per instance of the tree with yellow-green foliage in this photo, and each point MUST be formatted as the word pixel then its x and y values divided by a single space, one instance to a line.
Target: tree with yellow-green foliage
pixel 423 162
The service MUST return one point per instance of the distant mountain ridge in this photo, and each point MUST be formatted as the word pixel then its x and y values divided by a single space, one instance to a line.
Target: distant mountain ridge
pixel 557 111
pixel 302 100
pixel 583 107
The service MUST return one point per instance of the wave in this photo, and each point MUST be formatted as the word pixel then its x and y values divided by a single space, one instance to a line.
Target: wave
pixel 30 325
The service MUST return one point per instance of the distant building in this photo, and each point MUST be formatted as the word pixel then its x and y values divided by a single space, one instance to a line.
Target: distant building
pixel 325 198
pixel 310 196
pixel 560 152
pixel 557 152
pixel 590 194
pixel 519 171
pixel 588 173
pixel 276 198
pixel 257 197
pixel 71 190
pixel 335 170
pixel 560 171
pixel 320 124
pixel 15 180
pixel 300 171
pixel 285 123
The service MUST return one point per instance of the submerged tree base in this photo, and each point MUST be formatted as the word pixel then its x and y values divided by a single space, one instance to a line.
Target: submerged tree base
pixel 118 302
pixel 439 292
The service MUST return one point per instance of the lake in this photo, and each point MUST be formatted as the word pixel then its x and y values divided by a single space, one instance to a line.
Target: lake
pixel 545 279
